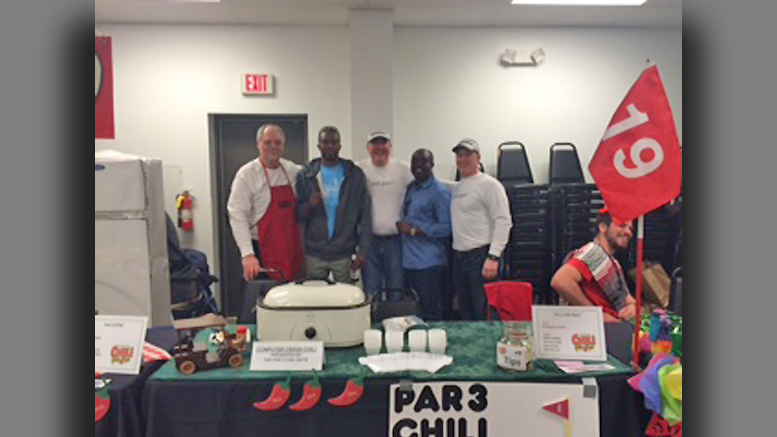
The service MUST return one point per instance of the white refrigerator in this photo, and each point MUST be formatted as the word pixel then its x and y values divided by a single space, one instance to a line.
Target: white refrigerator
pixel 131 268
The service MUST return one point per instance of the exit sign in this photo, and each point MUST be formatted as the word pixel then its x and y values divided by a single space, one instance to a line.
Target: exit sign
pixel 258 84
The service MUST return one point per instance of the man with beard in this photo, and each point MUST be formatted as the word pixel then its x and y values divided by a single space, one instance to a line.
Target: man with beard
pixel 335 210
pixel 591 276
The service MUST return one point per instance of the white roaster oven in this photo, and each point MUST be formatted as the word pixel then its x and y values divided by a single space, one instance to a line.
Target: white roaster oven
pixel 334 313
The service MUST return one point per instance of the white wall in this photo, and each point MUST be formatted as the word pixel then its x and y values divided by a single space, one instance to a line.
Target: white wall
pixel 167 79
pixel 447 84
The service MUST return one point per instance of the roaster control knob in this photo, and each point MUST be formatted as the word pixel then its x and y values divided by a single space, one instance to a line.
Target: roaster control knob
pixel 310 333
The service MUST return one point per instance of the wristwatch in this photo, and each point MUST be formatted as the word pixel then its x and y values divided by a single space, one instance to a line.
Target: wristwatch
pixel 413 231
pixel 493 257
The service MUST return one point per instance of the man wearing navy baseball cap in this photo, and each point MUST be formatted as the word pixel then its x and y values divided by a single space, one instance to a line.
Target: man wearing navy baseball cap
pixel 481 222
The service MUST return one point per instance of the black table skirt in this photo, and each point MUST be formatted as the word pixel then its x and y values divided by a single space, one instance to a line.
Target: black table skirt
pixel 224 408
pixel 124 419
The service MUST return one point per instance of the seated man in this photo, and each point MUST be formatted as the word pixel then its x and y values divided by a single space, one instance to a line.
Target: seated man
pixel 591 276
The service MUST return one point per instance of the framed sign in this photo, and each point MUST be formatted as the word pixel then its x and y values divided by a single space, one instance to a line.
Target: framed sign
pixel 103 88
pixel 569 333
pixel 118 343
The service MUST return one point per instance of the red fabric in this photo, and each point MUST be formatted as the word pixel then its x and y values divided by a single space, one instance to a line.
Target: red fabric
pixel 642 129
pixel 153 353
pixel 103 98
pixel 591 288
pixel 280 241
pixel 512 300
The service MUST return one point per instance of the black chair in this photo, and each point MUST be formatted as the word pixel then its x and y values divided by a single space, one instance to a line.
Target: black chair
pixel 565 164
pixel 512 166
pixel 252 291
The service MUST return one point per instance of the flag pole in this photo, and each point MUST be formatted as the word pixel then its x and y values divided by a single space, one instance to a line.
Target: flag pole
pixel 638 309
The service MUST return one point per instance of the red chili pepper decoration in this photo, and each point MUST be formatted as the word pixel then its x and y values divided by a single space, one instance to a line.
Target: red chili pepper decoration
pixel 102 403
pixel 311 394
pixel 278 397
pixel 354 389
pixel 677 430
pixel 658 427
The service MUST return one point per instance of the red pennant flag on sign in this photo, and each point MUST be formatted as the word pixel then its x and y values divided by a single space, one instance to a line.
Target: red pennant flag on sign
pixel 638 165
pixel 560 408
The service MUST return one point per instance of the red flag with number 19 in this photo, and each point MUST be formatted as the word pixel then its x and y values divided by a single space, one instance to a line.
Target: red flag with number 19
pixel 638 165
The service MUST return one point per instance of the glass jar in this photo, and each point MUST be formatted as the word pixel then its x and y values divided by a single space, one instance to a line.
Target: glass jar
pixel 515 350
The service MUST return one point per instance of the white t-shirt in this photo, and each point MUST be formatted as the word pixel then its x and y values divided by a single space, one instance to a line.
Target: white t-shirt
pixel 480 214
pixel 387 186
pixel 249 198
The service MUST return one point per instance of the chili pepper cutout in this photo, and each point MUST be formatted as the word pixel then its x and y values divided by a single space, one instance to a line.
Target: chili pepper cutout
pixel 311 394
pixel 658 427
pixel 102 403
pixel 676 430
pixel 354 389
pixel 278 396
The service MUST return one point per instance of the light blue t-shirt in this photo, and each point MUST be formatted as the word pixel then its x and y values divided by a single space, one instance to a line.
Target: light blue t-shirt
pixel 333 178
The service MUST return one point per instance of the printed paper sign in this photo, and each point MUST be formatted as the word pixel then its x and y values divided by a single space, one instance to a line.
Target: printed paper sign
pixel 569 333
pixel 471 409
pixel 118 343
pixel 287 355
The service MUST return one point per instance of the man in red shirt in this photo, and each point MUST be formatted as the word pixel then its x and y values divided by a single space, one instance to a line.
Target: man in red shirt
pixel 591 276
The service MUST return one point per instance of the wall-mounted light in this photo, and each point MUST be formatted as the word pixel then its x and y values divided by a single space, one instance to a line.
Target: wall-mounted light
pixel 524 58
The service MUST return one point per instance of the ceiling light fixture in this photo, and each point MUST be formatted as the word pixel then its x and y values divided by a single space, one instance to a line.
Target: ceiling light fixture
pixel 580 2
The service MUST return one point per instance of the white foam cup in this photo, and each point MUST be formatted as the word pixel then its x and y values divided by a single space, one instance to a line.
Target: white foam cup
pixel 373 341
pixel 395 340
pixel 438 341
pixel 416 340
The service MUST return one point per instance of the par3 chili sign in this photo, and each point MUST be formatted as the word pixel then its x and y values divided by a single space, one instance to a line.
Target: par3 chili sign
pixel 103 88
pixel 464 409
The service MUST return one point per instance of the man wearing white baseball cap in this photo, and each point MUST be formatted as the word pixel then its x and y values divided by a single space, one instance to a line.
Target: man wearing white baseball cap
pixel 481 222
pixel 387 179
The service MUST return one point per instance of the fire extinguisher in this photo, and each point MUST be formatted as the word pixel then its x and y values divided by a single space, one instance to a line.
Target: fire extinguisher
pixel 183 203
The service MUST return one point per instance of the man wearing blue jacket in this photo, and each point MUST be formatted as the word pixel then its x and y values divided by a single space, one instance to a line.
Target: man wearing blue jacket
pixel 335 211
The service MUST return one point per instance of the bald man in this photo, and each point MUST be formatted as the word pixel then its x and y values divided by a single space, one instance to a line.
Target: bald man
pixel 262 209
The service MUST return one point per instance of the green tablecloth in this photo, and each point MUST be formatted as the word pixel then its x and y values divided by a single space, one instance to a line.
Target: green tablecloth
pixel 471 344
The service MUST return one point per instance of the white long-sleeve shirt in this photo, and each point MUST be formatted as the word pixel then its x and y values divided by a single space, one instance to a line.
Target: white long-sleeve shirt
pixel 249 198
pixel 387 186
pixel 480 214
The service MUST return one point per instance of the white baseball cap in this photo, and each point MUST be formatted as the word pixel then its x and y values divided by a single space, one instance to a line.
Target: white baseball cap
pixel 378 134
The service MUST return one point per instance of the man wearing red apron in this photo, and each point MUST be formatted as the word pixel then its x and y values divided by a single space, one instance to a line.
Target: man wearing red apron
pixel 262 210
pixel 279 237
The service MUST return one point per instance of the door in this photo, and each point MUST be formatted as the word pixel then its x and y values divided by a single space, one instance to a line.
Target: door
pixel 234 144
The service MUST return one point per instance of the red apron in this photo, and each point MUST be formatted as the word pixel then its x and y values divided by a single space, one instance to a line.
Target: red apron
pixel 279 236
